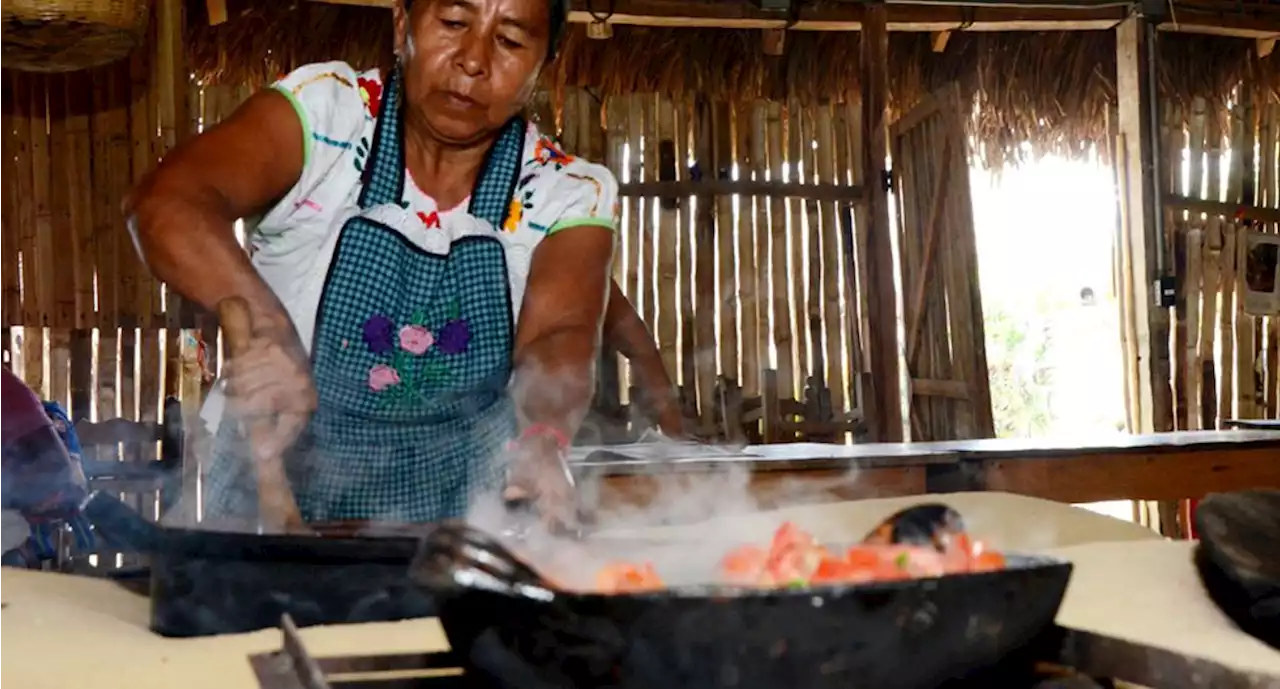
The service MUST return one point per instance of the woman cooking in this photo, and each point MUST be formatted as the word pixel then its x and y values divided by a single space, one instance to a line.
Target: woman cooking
pixel 427 282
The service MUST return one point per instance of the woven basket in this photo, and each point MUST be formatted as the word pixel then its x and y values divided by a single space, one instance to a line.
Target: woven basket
pixel 67 35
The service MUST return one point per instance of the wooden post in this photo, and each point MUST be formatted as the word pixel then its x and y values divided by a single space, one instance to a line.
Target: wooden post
pixel 882 318
pixel 1141 227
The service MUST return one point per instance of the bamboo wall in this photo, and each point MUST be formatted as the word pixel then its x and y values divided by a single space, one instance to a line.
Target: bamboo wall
pixel 1226 363
pixel 753 300
pixel 765 323
pixel 83 320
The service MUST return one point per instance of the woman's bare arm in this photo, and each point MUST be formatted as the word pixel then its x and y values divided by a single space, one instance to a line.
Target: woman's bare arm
pixel 183 214
pixel 558 340
pixel 626 332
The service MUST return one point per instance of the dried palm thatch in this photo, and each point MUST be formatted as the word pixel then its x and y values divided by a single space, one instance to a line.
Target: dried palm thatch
pixel 1032 93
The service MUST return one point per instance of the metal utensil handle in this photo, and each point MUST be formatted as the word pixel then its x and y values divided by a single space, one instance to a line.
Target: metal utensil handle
pixel 454 555
pixel 276 505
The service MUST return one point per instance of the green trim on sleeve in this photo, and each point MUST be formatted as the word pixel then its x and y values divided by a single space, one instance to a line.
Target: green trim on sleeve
pixel 302 117
pixel 582 222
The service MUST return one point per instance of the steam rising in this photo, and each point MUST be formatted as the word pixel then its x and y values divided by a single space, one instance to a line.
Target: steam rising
pixel 663 526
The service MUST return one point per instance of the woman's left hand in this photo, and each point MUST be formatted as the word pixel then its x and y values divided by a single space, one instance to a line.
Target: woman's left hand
pixel 538 474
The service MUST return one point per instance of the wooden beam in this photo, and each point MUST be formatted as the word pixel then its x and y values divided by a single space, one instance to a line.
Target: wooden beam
pixel 1139 227
pixel 882 313
pixel 1228 210
pixel 746 187
pixel 915 18
pixel 939 41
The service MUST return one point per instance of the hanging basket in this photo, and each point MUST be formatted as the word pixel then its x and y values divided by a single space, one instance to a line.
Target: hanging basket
pixel 67 35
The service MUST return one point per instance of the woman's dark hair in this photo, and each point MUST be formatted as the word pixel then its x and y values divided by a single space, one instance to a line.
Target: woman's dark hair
pixel 556 22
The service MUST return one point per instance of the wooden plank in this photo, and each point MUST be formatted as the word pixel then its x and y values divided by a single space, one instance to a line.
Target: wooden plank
pixel 1151 324
pixel 42 273
pixel 811 245
pixel 649 225
pixel 833 324
pixel 725 244
pixel 1191 335
pixel 635 230
pixel 881 308
pixel 150 374
pixel 10 220
pixel 79 88
pixel 668 267
pixel 746 263
pixel 20 185
pixel 704 277
pixel 1210 292
pixel 793 132
pixel 58 379
pixel 1226 325
pixel 781 276
pixel 728 187
pixel 688 228
pixel 760 166
pixel 62 236
pixel 1246 405
pixel 1145 475
pixel 136 282
pixel 855 244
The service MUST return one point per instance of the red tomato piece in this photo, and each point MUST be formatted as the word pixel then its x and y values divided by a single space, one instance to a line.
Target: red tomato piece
pixel 624 577
pixel 988 561
pixel 744 565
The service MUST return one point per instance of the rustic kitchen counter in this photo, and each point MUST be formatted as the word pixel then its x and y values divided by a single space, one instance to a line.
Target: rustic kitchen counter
pixel 71 632
pixel 1166 466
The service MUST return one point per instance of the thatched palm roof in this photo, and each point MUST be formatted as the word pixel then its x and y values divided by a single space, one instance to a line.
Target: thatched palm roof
pixel 1050 89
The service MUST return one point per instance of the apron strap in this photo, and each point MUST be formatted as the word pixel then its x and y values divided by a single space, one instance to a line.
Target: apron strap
pixel 383 181
pixel 384 173
pixel 491 198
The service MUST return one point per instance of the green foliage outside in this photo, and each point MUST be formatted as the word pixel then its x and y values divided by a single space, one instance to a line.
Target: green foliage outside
pixel 1018 346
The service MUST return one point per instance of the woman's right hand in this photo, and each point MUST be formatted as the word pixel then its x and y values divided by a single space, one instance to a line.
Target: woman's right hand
pixel 270 381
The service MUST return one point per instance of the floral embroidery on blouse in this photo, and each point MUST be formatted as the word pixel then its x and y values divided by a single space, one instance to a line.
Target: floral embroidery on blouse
pixel 514 215
pixel 362 152
pixel 430 220
pixel 416 352
pixel 546 152
pixel 595 204
pixel 371 94
pixel 321 77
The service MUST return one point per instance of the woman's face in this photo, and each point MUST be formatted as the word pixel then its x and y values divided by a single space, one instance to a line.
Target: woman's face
pixel 470 65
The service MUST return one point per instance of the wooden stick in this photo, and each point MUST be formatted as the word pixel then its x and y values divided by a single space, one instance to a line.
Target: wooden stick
pixel 276 506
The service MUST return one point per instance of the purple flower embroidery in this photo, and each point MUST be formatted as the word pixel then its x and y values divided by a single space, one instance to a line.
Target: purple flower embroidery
pixel 453 337
pixel 379 334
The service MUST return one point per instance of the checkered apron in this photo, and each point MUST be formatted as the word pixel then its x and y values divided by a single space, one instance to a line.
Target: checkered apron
pixel 411 359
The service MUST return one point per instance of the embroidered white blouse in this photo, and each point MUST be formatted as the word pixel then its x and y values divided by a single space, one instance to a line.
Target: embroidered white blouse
pixel 292 244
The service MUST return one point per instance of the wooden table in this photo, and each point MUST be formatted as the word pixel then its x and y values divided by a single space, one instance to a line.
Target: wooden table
pixel 1168 466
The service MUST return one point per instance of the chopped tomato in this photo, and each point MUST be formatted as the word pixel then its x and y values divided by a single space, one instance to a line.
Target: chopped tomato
pixel 790 536
pixel 794 558
pixel 626 577
pixel 744 565
pixel 988 561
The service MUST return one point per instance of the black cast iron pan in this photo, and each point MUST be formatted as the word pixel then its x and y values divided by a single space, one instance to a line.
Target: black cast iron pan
pixel 1238 558
pixel 511 625
pixel 207 582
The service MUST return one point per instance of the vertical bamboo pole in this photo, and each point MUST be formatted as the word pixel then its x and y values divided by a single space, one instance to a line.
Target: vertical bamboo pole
pixel 704 279
pixel 811 246
pixel 746 262
pixel 688 228
pixel 649 233
pixel 726 243
pixel 1194 263
pixel 1209 292
pixel 794 134
pixel 881 304
pixel 668 267
pixel 761 164
pixel 833 325
pixel 1226 326
pixel 781 279
pixel 79 89
pixel 10 219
